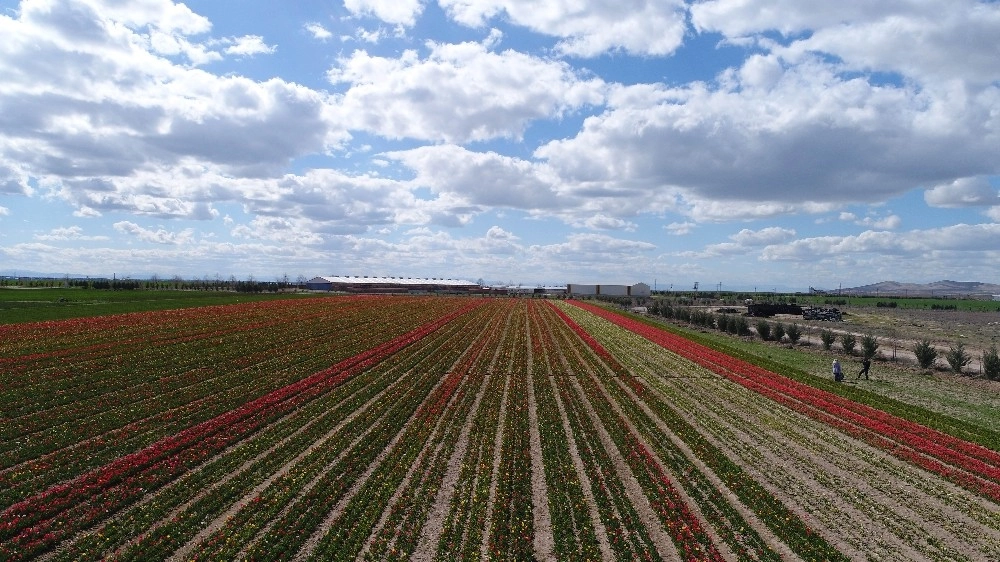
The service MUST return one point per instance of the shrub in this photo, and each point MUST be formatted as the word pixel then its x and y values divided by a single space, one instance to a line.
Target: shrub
pixel 763 330
pixel 778 332
pixel 957 357
pixel 742 326
pixel 926 354
pixel 991 363
pixel 869 345
pixel 827 337
pixel 794 333
pixel 848 341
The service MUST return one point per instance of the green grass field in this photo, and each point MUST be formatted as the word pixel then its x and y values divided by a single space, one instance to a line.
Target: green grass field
pixel 36 305
pixel 926 303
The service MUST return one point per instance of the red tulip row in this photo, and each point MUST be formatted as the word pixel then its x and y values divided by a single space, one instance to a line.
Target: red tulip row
pixel 37 522
pixel 967 464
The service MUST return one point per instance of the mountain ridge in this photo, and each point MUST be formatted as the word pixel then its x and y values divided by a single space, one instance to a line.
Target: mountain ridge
pixel 943 288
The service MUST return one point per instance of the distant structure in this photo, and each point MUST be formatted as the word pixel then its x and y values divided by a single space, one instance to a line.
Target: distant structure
pixel 637 290
pixel 389 285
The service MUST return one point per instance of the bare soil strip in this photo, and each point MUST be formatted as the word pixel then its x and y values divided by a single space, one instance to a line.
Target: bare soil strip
pixel 434 526
pixel 544 542
pixel 497 451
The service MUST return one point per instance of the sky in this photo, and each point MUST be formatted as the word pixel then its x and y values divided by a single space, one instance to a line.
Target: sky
pixel 739 144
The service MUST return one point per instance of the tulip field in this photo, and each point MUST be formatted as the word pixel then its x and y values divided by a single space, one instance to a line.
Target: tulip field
pixel 457 428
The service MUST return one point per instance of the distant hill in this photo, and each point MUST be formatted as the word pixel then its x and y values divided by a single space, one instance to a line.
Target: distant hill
pixel 935 289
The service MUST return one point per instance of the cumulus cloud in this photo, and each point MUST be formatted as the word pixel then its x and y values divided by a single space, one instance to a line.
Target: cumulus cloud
pixel 158 236
pixel 318 31
pixel 401 12
pixel 646 27
pixel 67 233
pixel 763 237
pixel 458 92
pixel 90 92
pixel 915 244
pixel 249 45
pixel 485 180
pixel 808 138
pixel 680 228
pixel 963 192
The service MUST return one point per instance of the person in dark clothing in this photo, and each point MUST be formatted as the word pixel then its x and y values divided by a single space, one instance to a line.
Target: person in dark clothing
pixel 866 364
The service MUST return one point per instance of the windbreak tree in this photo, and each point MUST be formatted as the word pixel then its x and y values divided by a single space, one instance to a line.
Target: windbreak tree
pixel 957 357
pixel 794 333
pixel 827 337
pixel 763 330
pixel 991 363
pixel 869 345
pixel 778 332
pixel 848 341
pixel 926 354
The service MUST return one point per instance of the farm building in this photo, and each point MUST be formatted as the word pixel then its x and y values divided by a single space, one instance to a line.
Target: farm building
pixel 637 290
pixel 376 284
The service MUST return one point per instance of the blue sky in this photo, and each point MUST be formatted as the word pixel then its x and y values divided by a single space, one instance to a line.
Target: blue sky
pixel 743 142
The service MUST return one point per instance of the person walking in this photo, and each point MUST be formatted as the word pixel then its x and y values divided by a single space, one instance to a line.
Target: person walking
pixel 838 375
pixel 866 364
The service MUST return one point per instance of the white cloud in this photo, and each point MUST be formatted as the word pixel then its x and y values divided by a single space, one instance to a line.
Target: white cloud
pixel 680 228
pixel 809 138
pixel 67 233
pixel 764 237
pixel 4 211
pixel 402 12
pixel 601 221
pixel 642 27
pixel 249 45
pixel 278 229
pixel 915 245
pixel 963 192
pixel 318 31
pixel 481 180
pixel 458 93
pixel 159 236
pixel 114 107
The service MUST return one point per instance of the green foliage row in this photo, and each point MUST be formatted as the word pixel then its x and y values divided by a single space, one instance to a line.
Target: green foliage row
pixel 38 305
